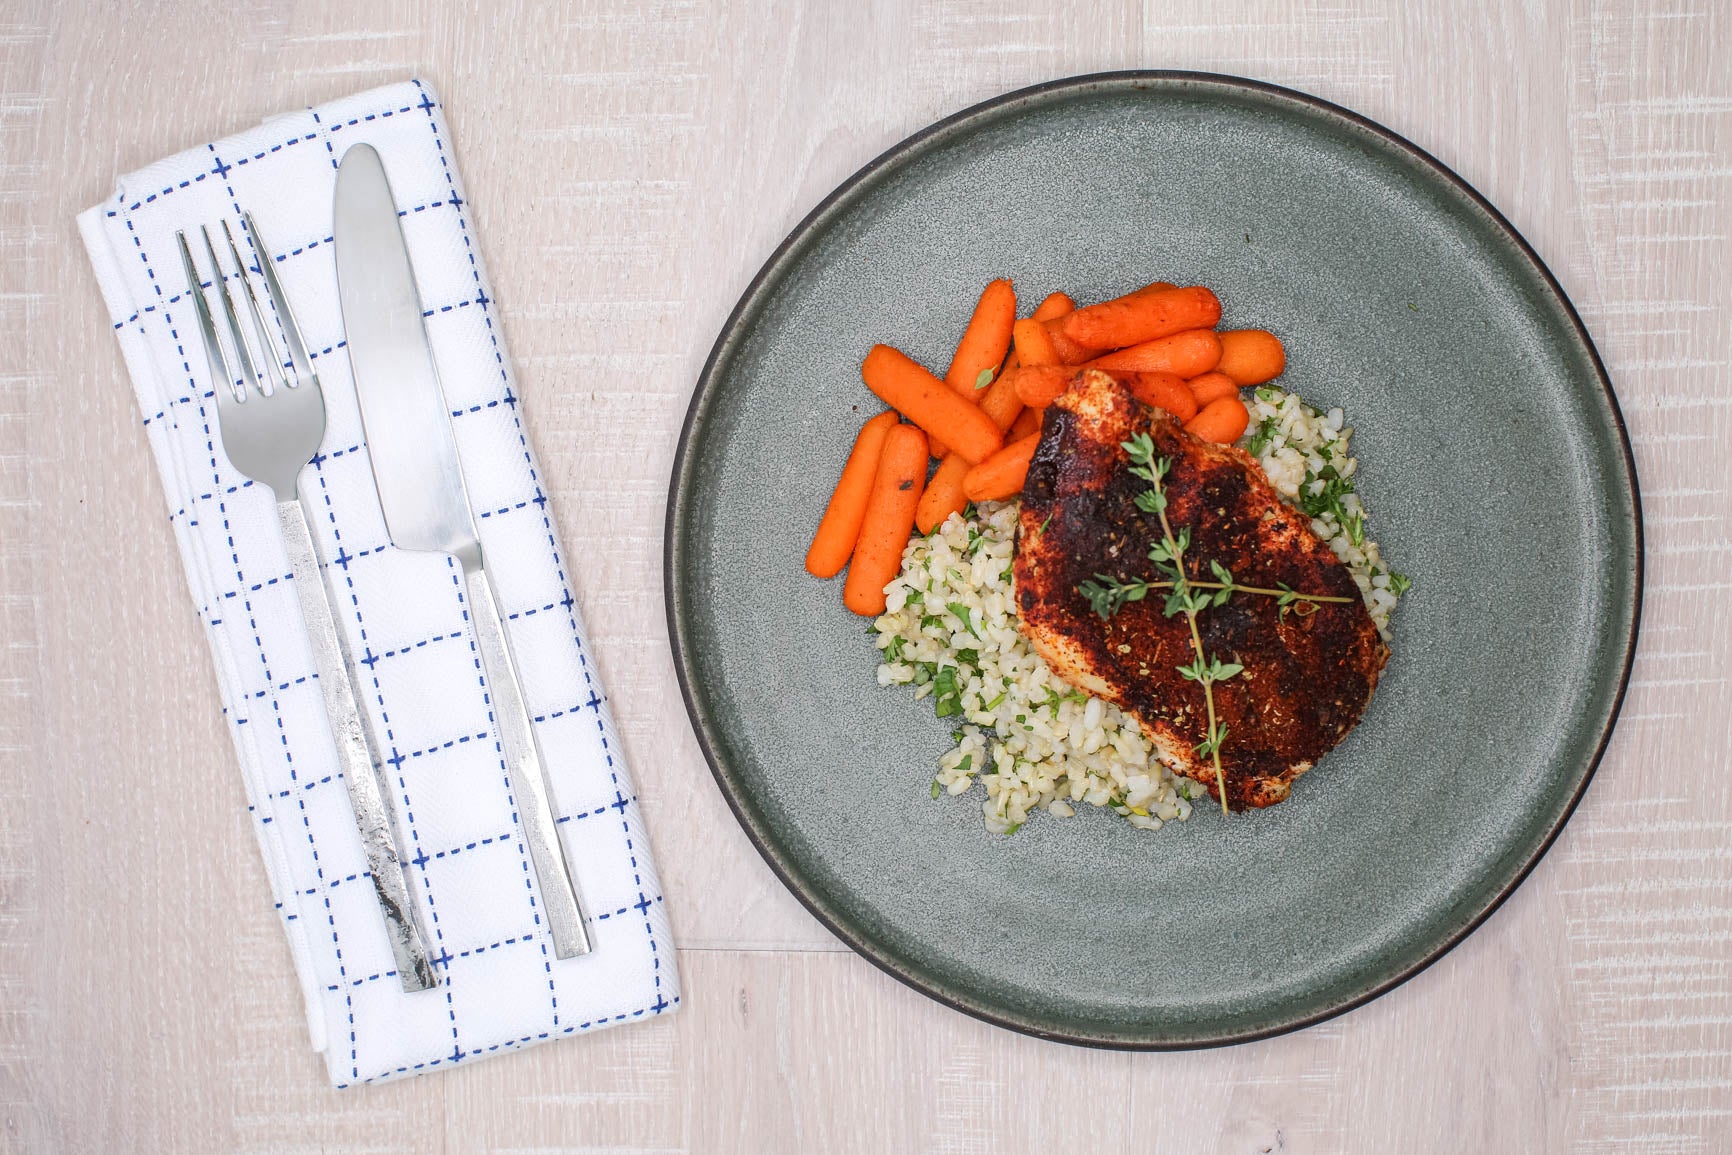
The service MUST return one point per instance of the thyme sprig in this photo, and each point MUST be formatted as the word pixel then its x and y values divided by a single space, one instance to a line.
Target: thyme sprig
pixel 1187 595
pixel 1107 594
pixel 1168 554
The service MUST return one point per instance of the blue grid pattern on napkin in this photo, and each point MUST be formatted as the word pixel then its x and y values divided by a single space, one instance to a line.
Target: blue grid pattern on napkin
pixel 418 674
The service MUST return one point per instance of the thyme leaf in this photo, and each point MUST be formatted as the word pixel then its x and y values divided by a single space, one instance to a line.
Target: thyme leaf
pixel 1107 595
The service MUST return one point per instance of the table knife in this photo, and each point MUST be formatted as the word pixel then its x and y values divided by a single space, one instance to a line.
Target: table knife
pixel 420 481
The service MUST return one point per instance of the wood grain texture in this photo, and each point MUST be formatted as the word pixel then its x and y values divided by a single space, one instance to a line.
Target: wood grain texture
pixel 631 165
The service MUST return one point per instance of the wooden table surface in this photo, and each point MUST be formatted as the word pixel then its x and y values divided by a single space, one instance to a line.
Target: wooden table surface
pixel 631 165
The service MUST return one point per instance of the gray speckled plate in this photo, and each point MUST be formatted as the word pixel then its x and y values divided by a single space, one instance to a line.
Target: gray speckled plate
pixel 1492 457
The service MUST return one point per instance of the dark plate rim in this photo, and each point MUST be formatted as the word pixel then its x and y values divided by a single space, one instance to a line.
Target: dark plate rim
pixel 863 944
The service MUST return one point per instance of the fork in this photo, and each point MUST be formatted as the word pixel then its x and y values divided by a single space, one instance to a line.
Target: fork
pixel 272 420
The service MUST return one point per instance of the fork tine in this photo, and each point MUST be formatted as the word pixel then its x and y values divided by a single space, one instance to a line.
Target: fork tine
pixel 268 351
pixel 221 378
pixel 279 300
pixel 242 353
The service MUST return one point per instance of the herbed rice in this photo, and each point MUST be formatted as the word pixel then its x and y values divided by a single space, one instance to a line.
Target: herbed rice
pixel 1305 456
pixel 1030 739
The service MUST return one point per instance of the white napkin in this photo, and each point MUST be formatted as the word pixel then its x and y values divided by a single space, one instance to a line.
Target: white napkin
pixel 499 985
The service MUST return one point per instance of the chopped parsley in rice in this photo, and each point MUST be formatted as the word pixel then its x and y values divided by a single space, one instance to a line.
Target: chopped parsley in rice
pixel 1304 454
pixel 950 631
pixel 1032 741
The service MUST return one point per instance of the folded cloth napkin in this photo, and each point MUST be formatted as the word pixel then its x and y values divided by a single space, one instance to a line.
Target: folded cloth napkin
pixel 403 613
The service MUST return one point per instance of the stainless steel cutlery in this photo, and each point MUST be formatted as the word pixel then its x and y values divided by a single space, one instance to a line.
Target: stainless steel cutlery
pixel 272 418
pixel 271 413
pixel 413 449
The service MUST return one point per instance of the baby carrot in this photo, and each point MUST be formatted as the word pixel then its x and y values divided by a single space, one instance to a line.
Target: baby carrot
pixel 1141 317
pixel 1034 345
pixel 981 348
pixel 1069 351
pixel 1165 391
pixel 944 495
pixel 986 339
pixel 840 526
pixel 1055 306
pixel 1001 402
pixel 1028 422
pixel 1221 420
pixel 1251 356
pixel 1001 475
pixel 1037 385
pixel 1189 354
pixel 1212 385
pixel 889 518
pixel 929 403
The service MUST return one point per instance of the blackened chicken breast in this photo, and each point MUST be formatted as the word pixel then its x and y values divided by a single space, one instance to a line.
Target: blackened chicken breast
pixel 1307 676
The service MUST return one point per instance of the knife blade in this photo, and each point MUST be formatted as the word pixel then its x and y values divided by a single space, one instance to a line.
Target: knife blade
pixel 420 482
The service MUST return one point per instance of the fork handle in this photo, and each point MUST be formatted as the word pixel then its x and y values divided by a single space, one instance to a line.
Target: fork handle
pixel 354 754
pixel 524 770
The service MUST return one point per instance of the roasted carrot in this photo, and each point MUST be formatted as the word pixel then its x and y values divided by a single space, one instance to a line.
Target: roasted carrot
pixel 1055 306
pixel 1251 356
pixel 889 518
pixel 1221 420
pixel 1141 317
pixel 1212 385
pixel 982 347
pixel 1037 385
pixel 1001 402
pixel 928 402
pixel 1029 421
pixel 1001 475
pixel 985 341
pixel 1189 354
pixel 944 495
pixel 839 528
pixel 1069 352
pixel 1156 287
pixel 1034 344
pixel 1165 391
pixel 986 311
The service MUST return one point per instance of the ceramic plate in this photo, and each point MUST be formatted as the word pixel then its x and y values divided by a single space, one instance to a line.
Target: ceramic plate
pixel 1492 458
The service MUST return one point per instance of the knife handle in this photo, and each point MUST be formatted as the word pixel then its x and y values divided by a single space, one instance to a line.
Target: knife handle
pixel 354 754
pixel 525 770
